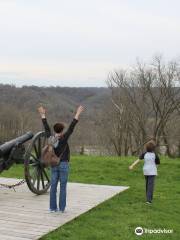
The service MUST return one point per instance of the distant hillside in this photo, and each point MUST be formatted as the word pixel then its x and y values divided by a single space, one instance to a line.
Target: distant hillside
pixel 56 99
pixel 20 104
pixel 65 97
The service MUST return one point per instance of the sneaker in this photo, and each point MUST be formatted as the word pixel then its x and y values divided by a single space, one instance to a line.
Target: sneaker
pixel 148 202
pixel 52 211
pixel 64 211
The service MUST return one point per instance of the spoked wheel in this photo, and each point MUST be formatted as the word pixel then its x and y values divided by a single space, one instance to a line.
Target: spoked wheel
pixel 36 174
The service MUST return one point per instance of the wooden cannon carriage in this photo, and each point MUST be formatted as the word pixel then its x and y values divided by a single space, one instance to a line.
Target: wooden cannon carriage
pixel 37 175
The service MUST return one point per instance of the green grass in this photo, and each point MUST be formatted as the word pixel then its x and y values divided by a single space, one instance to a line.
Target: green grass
pixel 118 217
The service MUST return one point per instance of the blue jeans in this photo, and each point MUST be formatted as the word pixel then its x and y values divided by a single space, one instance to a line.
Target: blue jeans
pixel 59 173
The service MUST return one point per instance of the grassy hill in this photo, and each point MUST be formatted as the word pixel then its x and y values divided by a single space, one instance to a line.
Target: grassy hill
pixel 117 218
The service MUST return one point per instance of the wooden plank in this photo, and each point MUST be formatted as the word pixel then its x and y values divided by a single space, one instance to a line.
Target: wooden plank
pixel 7 237
pixel 19 233
pixel 28 214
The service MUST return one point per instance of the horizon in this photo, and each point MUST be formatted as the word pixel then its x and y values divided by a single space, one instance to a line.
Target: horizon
pixel 50 86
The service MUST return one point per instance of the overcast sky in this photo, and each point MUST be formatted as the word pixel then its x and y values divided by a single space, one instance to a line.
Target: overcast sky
pixel 78 42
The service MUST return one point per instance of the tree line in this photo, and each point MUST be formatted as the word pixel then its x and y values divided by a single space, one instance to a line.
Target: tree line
pixel 139 104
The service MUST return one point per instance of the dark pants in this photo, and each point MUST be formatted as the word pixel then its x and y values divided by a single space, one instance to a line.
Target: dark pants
pixel 149 187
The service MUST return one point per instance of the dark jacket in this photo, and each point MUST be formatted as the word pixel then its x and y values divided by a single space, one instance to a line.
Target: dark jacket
pixel 63 146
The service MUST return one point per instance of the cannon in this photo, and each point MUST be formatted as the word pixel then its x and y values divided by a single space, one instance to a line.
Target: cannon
pixel 37 175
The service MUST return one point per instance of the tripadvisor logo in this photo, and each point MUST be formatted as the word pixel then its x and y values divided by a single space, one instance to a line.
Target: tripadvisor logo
pixel 139 231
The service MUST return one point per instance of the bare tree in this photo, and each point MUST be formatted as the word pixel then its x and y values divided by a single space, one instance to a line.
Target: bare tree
pixel 146 100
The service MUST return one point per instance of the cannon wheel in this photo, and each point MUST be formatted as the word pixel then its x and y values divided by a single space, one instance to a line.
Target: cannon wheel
pixel 36 174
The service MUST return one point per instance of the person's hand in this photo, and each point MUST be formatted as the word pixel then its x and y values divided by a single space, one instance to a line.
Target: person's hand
pixel 42 111
pixel 130 167
pixel 80 109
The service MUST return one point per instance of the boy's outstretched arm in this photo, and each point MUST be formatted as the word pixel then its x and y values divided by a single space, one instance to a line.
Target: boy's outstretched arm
pixel 134 164
pixel 42 112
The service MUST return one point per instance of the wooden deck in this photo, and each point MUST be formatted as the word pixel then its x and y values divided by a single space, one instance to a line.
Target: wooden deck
pixel 24 215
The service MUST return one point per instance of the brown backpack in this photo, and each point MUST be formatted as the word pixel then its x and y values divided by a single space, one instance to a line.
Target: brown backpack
pixel 49 157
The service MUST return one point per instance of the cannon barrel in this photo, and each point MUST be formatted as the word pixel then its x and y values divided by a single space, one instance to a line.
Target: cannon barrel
pixel 7 146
